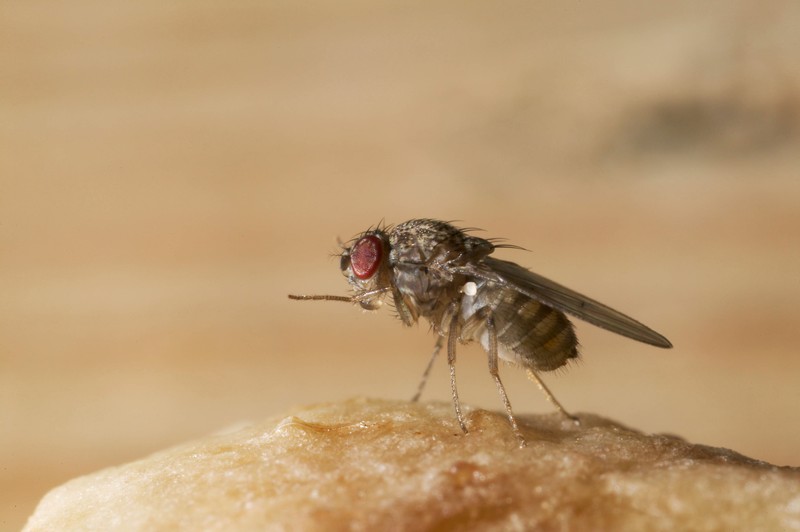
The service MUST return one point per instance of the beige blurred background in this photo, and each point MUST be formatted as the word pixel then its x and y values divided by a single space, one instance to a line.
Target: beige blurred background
pixel 169 171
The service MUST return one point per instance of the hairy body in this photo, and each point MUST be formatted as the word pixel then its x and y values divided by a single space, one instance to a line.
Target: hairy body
pixel 434 270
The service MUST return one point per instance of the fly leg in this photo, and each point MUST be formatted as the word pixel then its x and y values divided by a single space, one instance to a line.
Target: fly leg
pixel 550 397
pixel 494 372
pixel 436 349
pixel 452 338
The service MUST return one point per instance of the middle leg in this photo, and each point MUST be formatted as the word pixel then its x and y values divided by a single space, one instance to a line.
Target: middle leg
pixel 491 329
pixel 452 338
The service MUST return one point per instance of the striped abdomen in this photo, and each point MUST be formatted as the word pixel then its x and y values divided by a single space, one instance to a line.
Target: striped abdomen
pixel 528 332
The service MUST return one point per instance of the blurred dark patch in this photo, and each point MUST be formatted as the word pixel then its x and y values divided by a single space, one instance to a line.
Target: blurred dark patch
pixel 728 124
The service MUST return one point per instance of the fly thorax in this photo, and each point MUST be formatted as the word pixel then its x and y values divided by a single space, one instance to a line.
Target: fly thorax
pixel 426 289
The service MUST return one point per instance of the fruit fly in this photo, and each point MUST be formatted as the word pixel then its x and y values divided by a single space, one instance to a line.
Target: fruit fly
pixel 439 272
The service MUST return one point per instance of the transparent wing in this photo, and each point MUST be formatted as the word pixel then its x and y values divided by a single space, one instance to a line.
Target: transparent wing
pixel 562 298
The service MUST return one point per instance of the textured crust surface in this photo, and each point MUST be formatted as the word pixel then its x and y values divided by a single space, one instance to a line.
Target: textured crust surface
pixel 370 464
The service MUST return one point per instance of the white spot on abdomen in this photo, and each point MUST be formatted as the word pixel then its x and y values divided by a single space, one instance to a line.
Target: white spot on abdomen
pixel 470 289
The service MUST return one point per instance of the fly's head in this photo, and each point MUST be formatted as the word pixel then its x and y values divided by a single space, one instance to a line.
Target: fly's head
pixel 416 262
pixel 365 263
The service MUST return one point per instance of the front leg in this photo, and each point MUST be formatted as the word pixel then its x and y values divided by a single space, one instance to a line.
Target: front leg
pixel 436 349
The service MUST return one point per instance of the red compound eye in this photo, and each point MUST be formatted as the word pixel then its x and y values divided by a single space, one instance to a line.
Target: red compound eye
pixel 366 255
